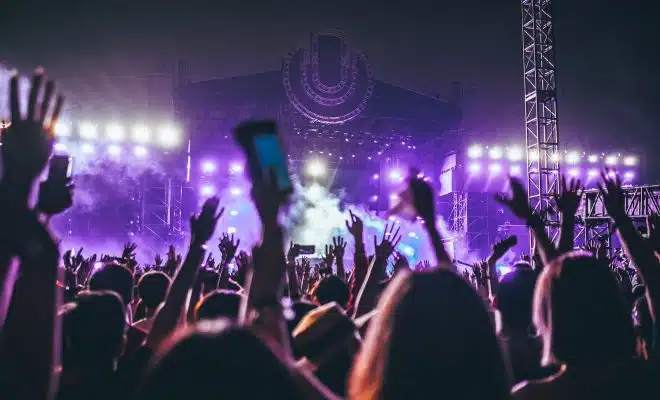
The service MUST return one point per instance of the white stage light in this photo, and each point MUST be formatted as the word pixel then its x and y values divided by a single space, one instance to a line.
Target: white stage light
pixel 495 168
pixel 612 160
pixel 141 133
pixel 208 167
pixel 114 150
pixel 231 230
pixel 316 169
pixel 593 158
pixel 169 136
pixel 554 157
pixel 474 168
pixel 62 129
pixel 115 132
pixel 475 151
pixel 88 130
pixel 235 191
pixel 207 190
pixel 573 157
pixel 495 153
pixel 515 154
pixel 235 167
pixel 87 148
pixel 592 173
pixel 60 147
pixel 630 161
pixel 140 151
pixel 533 155
pixel 515 170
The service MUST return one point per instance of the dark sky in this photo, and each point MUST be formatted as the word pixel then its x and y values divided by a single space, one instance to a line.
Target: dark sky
pixel 607 51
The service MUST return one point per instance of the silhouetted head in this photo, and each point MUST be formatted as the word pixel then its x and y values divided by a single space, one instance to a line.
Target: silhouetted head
pixel 515 295
pixel 217 360
pixel 432 338
pixel 581 314
pixel 153 287
pixel 93 328
pixel 332 289
pixel 116 278
pixel 219 303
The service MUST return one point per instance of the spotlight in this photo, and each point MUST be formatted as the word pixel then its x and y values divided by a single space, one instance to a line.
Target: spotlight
pixel 515 170
pixel 394 197
pixel 233 213
pixel 495 153
pixel 207 190
pixel 592 173
pixel 495 168
pixel 87 148
pixel 59 147
pixel 376 176
pixel 612 160
pixel 114 150
pixel 593 158
pixel 629 175
pixel 533 155
pixel 63 129
pixel 475 151
pixel 515 154
pixel 235 191
pixel 235 168
pixel 141 133
pixel 87 130
pixel 554 157
pixel 208 167
pixel 373 198
pixel 630 161
pixel 395 175
pixel 231 230
pixel 316 169
pixel 574 172
pixel 573 157
pixel 169 136
pixel 475 168
pixel 611 174
pixel 140 151
pixel 115 132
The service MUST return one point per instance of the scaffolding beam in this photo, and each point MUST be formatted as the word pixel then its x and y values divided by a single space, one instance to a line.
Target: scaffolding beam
pixel 541 122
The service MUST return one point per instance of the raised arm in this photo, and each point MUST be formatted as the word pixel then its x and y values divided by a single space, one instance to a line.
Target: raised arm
pixel 339 249
pixel 568 202
pixel 424 203
pixel 169 316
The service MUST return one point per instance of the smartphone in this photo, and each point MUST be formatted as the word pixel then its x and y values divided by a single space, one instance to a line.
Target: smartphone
pixel 306 249
pixel 265 153
pixel 60 168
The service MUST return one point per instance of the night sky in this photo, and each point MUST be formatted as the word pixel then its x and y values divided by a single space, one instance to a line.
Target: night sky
pixel 606 52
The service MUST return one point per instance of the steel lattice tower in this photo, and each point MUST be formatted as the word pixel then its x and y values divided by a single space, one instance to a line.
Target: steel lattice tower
pixel 541 124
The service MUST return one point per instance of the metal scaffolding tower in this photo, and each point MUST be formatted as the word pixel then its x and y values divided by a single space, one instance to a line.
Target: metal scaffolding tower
pixel 541 131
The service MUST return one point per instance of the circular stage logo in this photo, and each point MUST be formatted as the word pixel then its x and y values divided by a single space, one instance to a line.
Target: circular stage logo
pixel 328 83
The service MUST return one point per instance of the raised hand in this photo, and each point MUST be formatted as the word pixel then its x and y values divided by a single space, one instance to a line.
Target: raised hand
pixel 158 261
pixel 28 142
pixel 55 196
pixel 338 247
pixel 328 256
pixel 518 202
pixel 78 259
pixel 203 225
pixel 294 251
pixel 67 259
pixel 128 253
pixel 228 247
pixel 500 248
pixel 388 242
pixel 355 226
pixel 210 262
pixel 653 231
pixel 610 189
pixel 568 199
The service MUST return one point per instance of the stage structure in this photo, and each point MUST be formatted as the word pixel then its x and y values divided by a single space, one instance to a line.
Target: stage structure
pixel 541 121
pixel 329 108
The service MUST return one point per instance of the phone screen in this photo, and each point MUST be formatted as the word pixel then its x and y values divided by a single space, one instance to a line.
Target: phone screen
pixel 60 168
pixel 270 155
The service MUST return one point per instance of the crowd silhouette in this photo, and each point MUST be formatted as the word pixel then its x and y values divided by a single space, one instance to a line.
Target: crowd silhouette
pixel 564 324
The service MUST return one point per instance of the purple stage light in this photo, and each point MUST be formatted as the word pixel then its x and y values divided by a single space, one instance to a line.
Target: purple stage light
pixel 572 158
pixel 233 213
pixel 373 198
pixel 140 151
pixel 612 160
pixel 235 167
pixel 474 168
pixel 60 147
pixel 235 191
pixel 495 168
pixel 376 176
pixel 593 158
pixel 87 148
pixel 574 172
pixel 495 153
pixel 475 151
pixel 630 161
pixel 592 173
pixel 611 174
pixel 114 150
pixel 208 167
pixel 629 175
pixel 515 170
pixel 207 190
pixel 395 175
pixel 231 230
pixel 515 154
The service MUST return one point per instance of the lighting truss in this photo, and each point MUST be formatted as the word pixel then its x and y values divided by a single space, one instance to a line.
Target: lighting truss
pixel 541 133
pixel 640 202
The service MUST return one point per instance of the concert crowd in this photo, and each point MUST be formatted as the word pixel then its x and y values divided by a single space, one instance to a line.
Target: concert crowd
pixel 565 323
